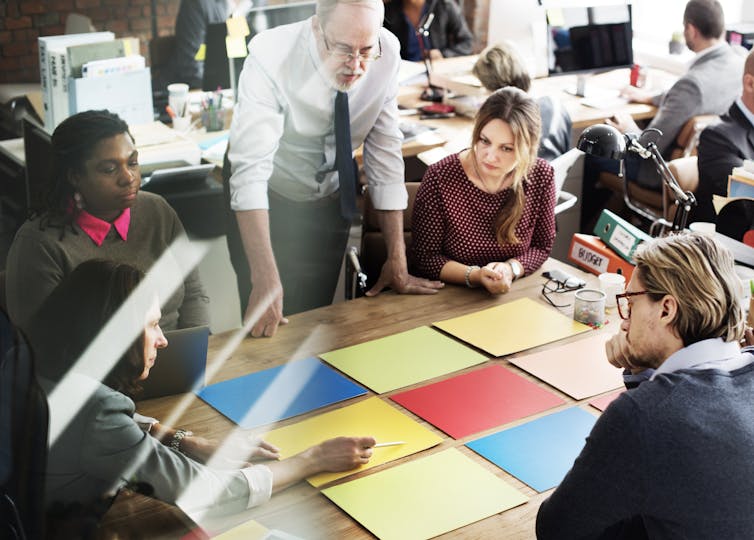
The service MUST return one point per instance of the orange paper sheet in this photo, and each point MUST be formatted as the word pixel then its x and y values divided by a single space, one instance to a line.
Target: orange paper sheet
pixel 580 369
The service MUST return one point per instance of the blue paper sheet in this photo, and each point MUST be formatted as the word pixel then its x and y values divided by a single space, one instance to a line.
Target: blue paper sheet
pixel 278 393
pixel 540 452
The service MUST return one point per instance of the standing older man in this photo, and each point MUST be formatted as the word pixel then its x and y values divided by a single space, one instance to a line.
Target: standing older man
pixel 291 188
pixel 671 458
pixel 725 145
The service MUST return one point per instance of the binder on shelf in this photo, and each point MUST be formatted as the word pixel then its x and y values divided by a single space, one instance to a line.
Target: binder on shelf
pixel 593 255
pixel 53 75
pixel 78 55
pixel 622 237
pixel 127 94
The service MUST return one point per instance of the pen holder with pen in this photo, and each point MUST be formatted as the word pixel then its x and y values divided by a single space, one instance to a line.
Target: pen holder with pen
pixel 213 119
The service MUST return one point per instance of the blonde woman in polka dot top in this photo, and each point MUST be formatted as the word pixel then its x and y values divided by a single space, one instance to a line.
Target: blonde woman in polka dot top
pixel 485 216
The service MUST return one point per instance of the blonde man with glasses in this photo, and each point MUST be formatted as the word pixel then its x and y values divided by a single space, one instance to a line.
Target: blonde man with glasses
pixel 671 458
pixel 285 186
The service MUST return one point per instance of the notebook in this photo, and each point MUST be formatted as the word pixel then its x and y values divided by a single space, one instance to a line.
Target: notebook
pixel 179 367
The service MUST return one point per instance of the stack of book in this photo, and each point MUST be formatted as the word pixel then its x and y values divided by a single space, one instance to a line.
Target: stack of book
pixel 94 70
pixel 741 181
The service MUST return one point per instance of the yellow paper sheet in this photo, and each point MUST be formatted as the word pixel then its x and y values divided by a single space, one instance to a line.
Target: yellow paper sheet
pixel 403 359
pixel 371 417
pixel 426 497
pixel 512 327
pixel 251 530
pixel 580 369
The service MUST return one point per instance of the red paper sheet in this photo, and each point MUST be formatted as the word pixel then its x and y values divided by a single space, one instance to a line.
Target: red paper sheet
pixel 476 401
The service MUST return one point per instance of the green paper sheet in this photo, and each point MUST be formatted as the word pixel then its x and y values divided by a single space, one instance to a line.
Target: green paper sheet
pixel 426 497
pixel 403 359
pixel 512 327
pixel 370 417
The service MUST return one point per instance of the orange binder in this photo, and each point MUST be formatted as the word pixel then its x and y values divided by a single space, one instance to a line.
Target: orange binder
pixel 593 255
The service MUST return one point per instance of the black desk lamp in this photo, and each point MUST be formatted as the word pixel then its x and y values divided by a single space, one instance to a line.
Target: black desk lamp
pixel 431 92
pixel 602 140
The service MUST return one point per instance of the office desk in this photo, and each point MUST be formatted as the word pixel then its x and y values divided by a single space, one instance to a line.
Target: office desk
pixel 455 74
pixel 301 510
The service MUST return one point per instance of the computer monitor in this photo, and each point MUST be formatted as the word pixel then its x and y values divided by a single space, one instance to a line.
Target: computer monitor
pixel 39 156
pixel 216 65
pixel 593 38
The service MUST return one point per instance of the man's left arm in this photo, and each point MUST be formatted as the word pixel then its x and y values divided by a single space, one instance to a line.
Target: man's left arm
pixel 383 163
pixel 394 272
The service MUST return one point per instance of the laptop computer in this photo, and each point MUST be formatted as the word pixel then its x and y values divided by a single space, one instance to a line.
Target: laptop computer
pixel 179 367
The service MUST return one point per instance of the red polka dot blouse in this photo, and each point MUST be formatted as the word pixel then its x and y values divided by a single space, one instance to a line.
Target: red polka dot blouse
pixel 453 220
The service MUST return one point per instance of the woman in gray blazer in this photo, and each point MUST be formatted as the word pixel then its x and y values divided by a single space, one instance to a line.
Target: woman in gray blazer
pixel 102 447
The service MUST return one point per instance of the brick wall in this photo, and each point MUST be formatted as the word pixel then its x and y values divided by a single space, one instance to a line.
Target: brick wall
pixel 22 21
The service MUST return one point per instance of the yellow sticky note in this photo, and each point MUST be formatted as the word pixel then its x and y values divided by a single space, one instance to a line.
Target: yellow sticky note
pixel 403 359
pixel 512 327
pixel 235 46
pixel 251 530
pixel 371 417
pixel 201 53
pixel 237 26
pixel 426 497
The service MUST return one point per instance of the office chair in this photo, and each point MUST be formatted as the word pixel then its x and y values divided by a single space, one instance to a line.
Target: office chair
pixel 23 444
pixel 651 205
pixel 372 252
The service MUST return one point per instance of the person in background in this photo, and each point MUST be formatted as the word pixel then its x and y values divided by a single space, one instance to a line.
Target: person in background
pixel 449 34
pixel 500 65
pixel 94 210
pixel 672 457
pixel 285 185
pixel 190 32
pixel 725 145
pixel 103 448
pixel 485 216
pixel 709 86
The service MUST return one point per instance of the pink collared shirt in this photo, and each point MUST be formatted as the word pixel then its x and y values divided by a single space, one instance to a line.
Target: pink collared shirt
pixel 97 229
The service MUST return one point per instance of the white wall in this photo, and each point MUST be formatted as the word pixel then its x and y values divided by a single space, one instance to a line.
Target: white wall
pixel 656 20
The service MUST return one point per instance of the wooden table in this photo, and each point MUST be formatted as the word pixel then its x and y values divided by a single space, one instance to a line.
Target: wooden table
pixel 301 510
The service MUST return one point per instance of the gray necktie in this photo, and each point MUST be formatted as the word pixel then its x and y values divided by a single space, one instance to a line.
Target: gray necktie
pixel 344 158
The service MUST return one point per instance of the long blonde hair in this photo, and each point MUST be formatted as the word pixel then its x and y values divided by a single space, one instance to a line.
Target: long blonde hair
pixel 521 113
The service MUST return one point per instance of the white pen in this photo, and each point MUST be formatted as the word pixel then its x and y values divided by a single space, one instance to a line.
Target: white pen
pixel 393 443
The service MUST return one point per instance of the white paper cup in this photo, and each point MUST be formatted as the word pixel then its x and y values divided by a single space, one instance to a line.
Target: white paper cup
pixel 611 284
pixel 182 123
pixel 703 227
pixel 178 97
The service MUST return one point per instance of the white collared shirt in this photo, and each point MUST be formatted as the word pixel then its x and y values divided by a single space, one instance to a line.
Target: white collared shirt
pixel 706 354
pixel 282 134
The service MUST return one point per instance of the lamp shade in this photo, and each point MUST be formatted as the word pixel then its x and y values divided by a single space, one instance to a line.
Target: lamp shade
pixel 602 140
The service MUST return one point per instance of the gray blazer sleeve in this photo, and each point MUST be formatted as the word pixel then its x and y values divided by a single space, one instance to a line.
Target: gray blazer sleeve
pixel 680 103
pixel 114 449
